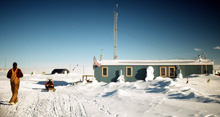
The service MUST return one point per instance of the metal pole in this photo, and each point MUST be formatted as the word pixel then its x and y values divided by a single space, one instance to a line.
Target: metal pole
pixel 83 70
pixel 201 67
pixel 70 67
pixel 5 63
pixel 213 69
pixel 101 55
pixel 83 74
pixel 205 62
pixel 115 32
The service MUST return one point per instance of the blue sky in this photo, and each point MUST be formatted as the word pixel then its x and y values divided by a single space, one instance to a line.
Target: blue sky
pixel 56 33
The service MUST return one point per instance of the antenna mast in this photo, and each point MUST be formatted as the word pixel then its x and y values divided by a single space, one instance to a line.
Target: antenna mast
pixel 5 64
pixel 115 32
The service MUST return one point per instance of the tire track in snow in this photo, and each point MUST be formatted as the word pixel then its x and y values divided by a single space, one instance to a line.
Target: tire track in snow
pixel 47 104
pixel 55 105
pixel 41 105
pixel 92 102
pixel 10 111
pixel 13 108
pixel 82 109
pixel 159 102
pixel 100 107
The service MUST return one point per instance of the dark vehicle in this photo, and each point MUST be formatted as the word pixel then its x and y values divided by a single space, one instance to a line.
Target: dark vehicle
pixel 60 71
pixel 50 85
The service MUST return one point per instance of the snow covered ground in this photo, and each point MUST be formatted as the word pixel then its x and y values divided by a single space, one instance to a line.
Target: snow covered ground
pixel 159 97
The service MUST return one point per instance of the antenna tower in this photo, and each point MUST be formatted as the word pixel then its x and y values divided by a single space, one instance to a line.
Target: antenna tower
pixel 115 32
pixel 5 64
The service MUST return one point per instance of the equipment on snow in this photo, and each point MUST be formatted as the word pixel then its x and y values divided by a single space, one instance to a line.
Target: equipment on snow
pixel 50 85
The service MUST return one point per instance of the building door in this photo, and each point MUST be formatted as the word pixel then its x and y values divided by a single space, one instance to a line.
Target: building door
pixel 172 72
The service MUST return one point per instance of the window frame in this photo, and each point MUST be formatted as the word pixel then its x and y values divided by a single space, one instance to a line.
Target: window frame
pixel 174 72
pixel 106 72
pixel 127 71
pixel 165 71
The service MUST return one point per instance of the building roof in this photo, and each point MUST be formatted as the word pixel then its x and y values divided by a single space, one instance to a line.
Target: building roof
pixel 156 62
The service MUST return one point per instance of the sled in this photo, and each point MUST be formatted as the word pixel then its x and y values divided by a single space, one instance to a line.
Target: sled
pixel 51 89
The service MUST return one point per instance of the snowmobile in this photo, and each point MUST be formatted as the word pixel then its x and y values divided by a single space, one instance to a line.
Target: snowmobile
pixel 50 85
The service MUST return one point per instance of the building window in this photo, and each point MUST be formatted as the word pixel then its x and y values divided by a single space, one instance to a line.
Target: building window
pixel 172 73
pixel 104 71
pixel 129 71
pixel 163 71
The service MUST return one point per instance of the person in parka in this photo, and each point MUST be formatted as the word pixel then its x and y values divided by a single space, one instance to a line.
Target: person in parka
pixel 14 74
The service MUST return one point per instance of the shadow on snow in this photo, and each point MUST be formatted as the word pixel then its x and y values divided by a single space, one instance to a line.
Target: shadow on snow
pixel 110 93
pixel 192 96
pixel 56 83
pixel 4 103
pixel 164 86
pixel 159 87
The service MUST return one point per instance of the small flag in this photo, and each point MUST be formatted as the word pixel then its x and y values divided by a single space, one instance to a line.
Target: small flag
pixel 95 62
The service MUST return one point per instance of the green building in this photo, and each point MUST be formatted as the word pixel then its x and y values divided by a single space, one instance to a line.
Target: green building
pixel 109 70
